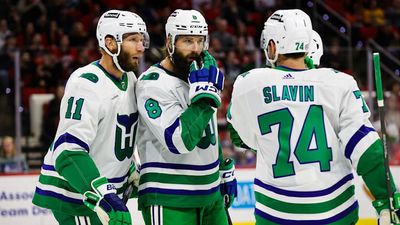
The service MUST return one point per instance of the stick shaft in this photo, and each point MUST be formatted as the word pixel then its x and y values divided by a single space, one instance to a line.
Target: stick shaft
pixel 381 105
pixel 127 193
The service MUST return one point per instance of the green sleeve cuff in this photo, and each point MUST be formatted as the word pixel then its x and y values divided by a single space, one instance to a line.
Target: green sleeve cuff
pixel 236 140
pixel 372 169
pixel 77 168
pixel 213 99
pixel 194 121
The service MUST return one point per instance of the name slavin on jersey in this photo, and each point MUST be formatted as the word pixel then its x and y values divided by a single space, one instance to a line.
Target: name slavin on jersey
pixel 289 93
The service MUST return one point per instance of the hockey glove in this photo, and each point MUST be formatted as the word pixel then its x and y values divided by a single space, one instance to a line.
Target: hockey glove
pixel 309 62
pixel 228 185
pixel 207 81
pixel 133 179
pixel 381 206
pixel 104 201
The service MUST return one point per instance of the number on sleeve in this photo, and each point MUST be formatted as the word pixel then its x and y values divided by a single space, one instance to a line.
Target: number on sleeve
pixel 358 95
pixel 153 108
pixel 78 108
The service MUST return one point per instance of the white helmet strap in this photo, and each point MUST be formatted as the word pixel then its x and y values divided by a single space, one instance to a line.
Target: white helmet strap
pixel 271 61
pixel 115 56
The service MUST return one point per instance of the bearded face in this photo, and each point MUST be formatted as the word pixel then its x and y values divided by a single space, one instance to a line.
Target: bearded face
pixel 127 62
pixel 188 48
pixel 182 62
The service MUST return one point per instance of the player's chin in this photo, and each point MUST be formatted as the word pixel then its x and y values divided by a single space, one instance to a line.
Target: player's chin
pixel 190 60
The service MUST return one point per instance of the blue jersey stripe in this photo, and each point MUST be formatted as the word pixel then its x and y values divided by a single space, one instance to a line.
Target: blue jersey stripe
pixel 305 194
pixel 169 132
pixel 58 196
pixel 69 138
pixel 360 134
pixel 48 167
pixel 117 179
pixel 178 191
pixel 307 222
pixel 180 166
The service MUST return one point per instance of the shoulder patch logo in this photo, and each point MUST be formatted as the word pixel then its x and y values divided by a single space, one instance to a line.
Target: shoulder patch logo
pixel 288 76
pixel 244 74
pixel 151 76
pixel 90 76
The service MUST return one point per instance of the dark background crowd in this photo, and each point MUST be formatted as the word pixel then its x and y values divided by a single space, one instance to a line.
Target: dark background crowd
pixel 58 36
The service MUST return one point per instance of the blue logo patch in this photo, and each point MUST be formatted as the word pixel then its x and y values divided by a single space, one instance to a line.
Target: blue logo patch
pixel 245 198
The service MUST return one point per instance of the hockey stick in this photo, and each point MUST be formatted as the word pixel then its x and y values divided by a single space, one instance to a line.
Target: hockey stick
pixel 381 106
pixel 226 202
pixel 127 193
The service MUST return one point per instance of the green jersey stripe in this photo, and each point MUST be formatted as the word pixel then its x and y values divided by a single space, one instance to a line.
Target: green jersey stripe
pixel 54 181
pixel 181 201
pixel 179 179
pixel 62 206
pixel 305 208
pixel 351 218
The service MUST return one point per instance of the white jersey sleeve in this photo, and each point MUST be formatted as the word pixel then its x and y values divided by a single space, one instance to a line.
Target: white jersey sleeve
pixel 80 111
pixel 240 106
pixel 161 108
pixel 356 132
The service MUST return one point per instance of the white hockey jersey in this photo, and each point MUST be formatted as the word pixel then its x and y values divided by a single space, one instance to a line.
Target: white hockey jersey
pixel 309 129
pixel 98 115
pixel 171 175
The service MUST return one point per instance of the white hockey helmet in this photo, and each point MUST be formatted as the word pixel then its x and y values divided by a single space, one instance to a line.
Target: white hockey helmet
pixel 185 22
pixel 316 49
pixel 116 23
pixel 290 30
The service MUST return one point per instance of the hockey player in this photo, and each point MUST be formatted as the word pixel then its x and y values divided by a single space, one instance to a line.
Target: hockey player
pixel 87 164
pixel 315 51
pixel 310 128
pixel 180 180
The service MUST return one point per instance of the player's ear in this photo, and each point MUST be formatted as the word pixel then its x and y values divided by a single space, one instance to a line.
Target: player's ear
pixel 169 43
pixel 271 49
pixel 111 44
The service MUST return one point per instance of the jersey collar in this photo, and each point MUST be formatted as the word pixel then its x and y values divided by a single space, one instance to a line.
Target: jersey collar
pixel 168 71
pixel 122 83
pixel 285 68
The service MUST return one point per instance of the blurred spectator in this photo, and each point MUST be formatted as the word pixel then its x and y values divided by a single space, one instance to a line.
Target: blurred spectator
pixel 334 56
pixel 373 14
pixel 232 65
pixel 396 93
pixel 4 32
pixel 10 161
pixel 245 38
pixel 216 48
pixel 51 117
pixel 264 4
pixel 226 39
pixel 78 35
pixel 393 13
pixel 392 111
pixel 30 9
pixel 233 13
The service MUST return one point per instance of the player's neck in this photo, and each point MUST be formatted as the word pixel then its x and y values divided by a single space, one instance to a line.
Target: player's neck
pixel 167 64
pixel 293 63
pixel 108 64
